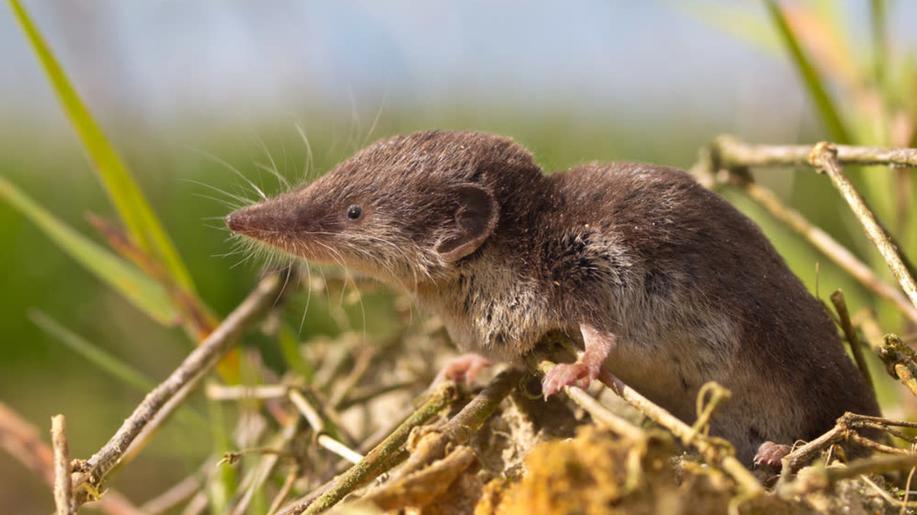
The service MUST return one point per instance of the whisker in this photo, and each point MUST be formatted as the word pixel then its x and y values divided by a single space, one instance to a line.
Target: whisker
pixel 234 170
pixel 233 196
pixel 377 117
pixel 310 162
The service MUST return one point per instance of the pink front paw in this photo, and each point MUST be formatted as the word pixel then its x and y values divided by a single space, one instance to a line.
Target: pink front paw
pixel 465 367
pixel 567 374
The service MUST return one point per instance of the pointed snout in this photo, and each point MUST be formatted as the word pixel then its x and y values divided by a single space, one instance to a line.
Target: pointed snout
pixel 265 220
pixel 237 221
pixel 250 220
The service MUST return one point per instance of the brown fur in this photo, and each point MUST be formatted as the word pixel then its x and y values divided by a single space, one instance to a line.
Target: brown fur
pixel 690 287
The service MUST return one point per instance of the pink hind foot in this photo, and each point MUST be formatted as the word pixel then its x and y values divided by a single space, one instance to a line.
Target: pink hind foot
pixel 770 455
pixel 597 345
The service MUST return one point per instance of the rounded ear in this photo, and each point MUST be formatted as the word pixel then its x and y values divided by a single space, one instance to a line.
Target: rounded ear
pixel 474 219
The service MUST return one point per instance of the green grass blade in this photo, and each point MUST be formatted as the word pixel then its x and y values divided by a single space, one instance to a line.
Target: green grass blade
pixel 878 11
pixel 830 116
pixel 129 201
pixel 110 364
pixel 106 362
pixel 144 292
pixel 289 347
pixel 735 20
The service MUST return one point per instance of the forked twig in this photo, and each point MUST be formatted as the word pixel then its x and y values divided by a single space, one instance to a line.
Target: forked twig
pixel 824 156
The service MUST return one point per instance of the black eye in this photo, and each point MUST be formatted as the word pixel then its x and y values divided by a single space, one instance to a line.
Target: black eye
pixel 354 212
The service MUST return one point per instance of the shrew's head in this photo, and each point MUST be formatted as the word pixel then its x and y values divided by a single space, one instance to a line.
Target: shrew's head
pixel 405 209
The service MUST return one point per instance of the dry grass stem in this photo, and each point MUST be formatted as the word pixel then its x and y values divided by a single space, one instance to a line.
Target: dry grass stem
pixel 284 491
pixel 265 467
pixel 63 493
pixel 317 423
pixel 850 334
pixel 220 392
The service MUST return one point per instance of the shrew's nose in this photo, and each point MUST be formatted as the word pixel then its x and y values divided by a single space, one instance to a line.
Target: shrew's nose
pixel 234 221
pixel 242 220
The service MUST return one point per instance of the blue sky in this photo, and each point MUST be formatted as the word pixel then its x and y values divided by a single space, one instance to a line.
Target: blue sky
pixel 165 60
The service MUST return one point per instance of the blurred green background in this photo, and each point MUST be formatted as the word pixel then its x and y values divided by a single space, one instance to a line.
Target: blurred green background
pixel 186 91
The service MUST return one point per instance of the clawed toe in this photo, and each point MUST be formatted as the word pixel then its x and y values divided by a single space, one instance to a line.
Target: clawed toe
pixel 770 455
pixel 567 374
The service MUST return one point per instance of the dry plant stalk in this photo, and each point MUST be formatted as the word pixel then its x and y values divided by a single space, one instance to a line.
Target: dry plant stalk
pixel 736 154
pixel 63 492
pixel 850 334
pixel 200 361
pixel 465 423
pixel 734 157
pixel 715 451
pixel 824 156
pixel 845 430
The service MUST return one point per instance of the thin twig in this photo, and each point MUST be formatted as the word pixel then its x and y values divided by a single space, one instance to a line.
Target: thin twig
pixel 262 471
pixel 63 493
pixel 198 362
pixel 824 156
pixel 381 458
pixel 596 410
pixel 284 491
pixel 220 392
pixel 317 423
pixel 359 396
pixel 713 450
pixel 734 153
pixel 806 453
pixel 734 157
pixel 460 428
pixel 360 366
pixel 845 429
pixel 850 333
pixel 821 478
